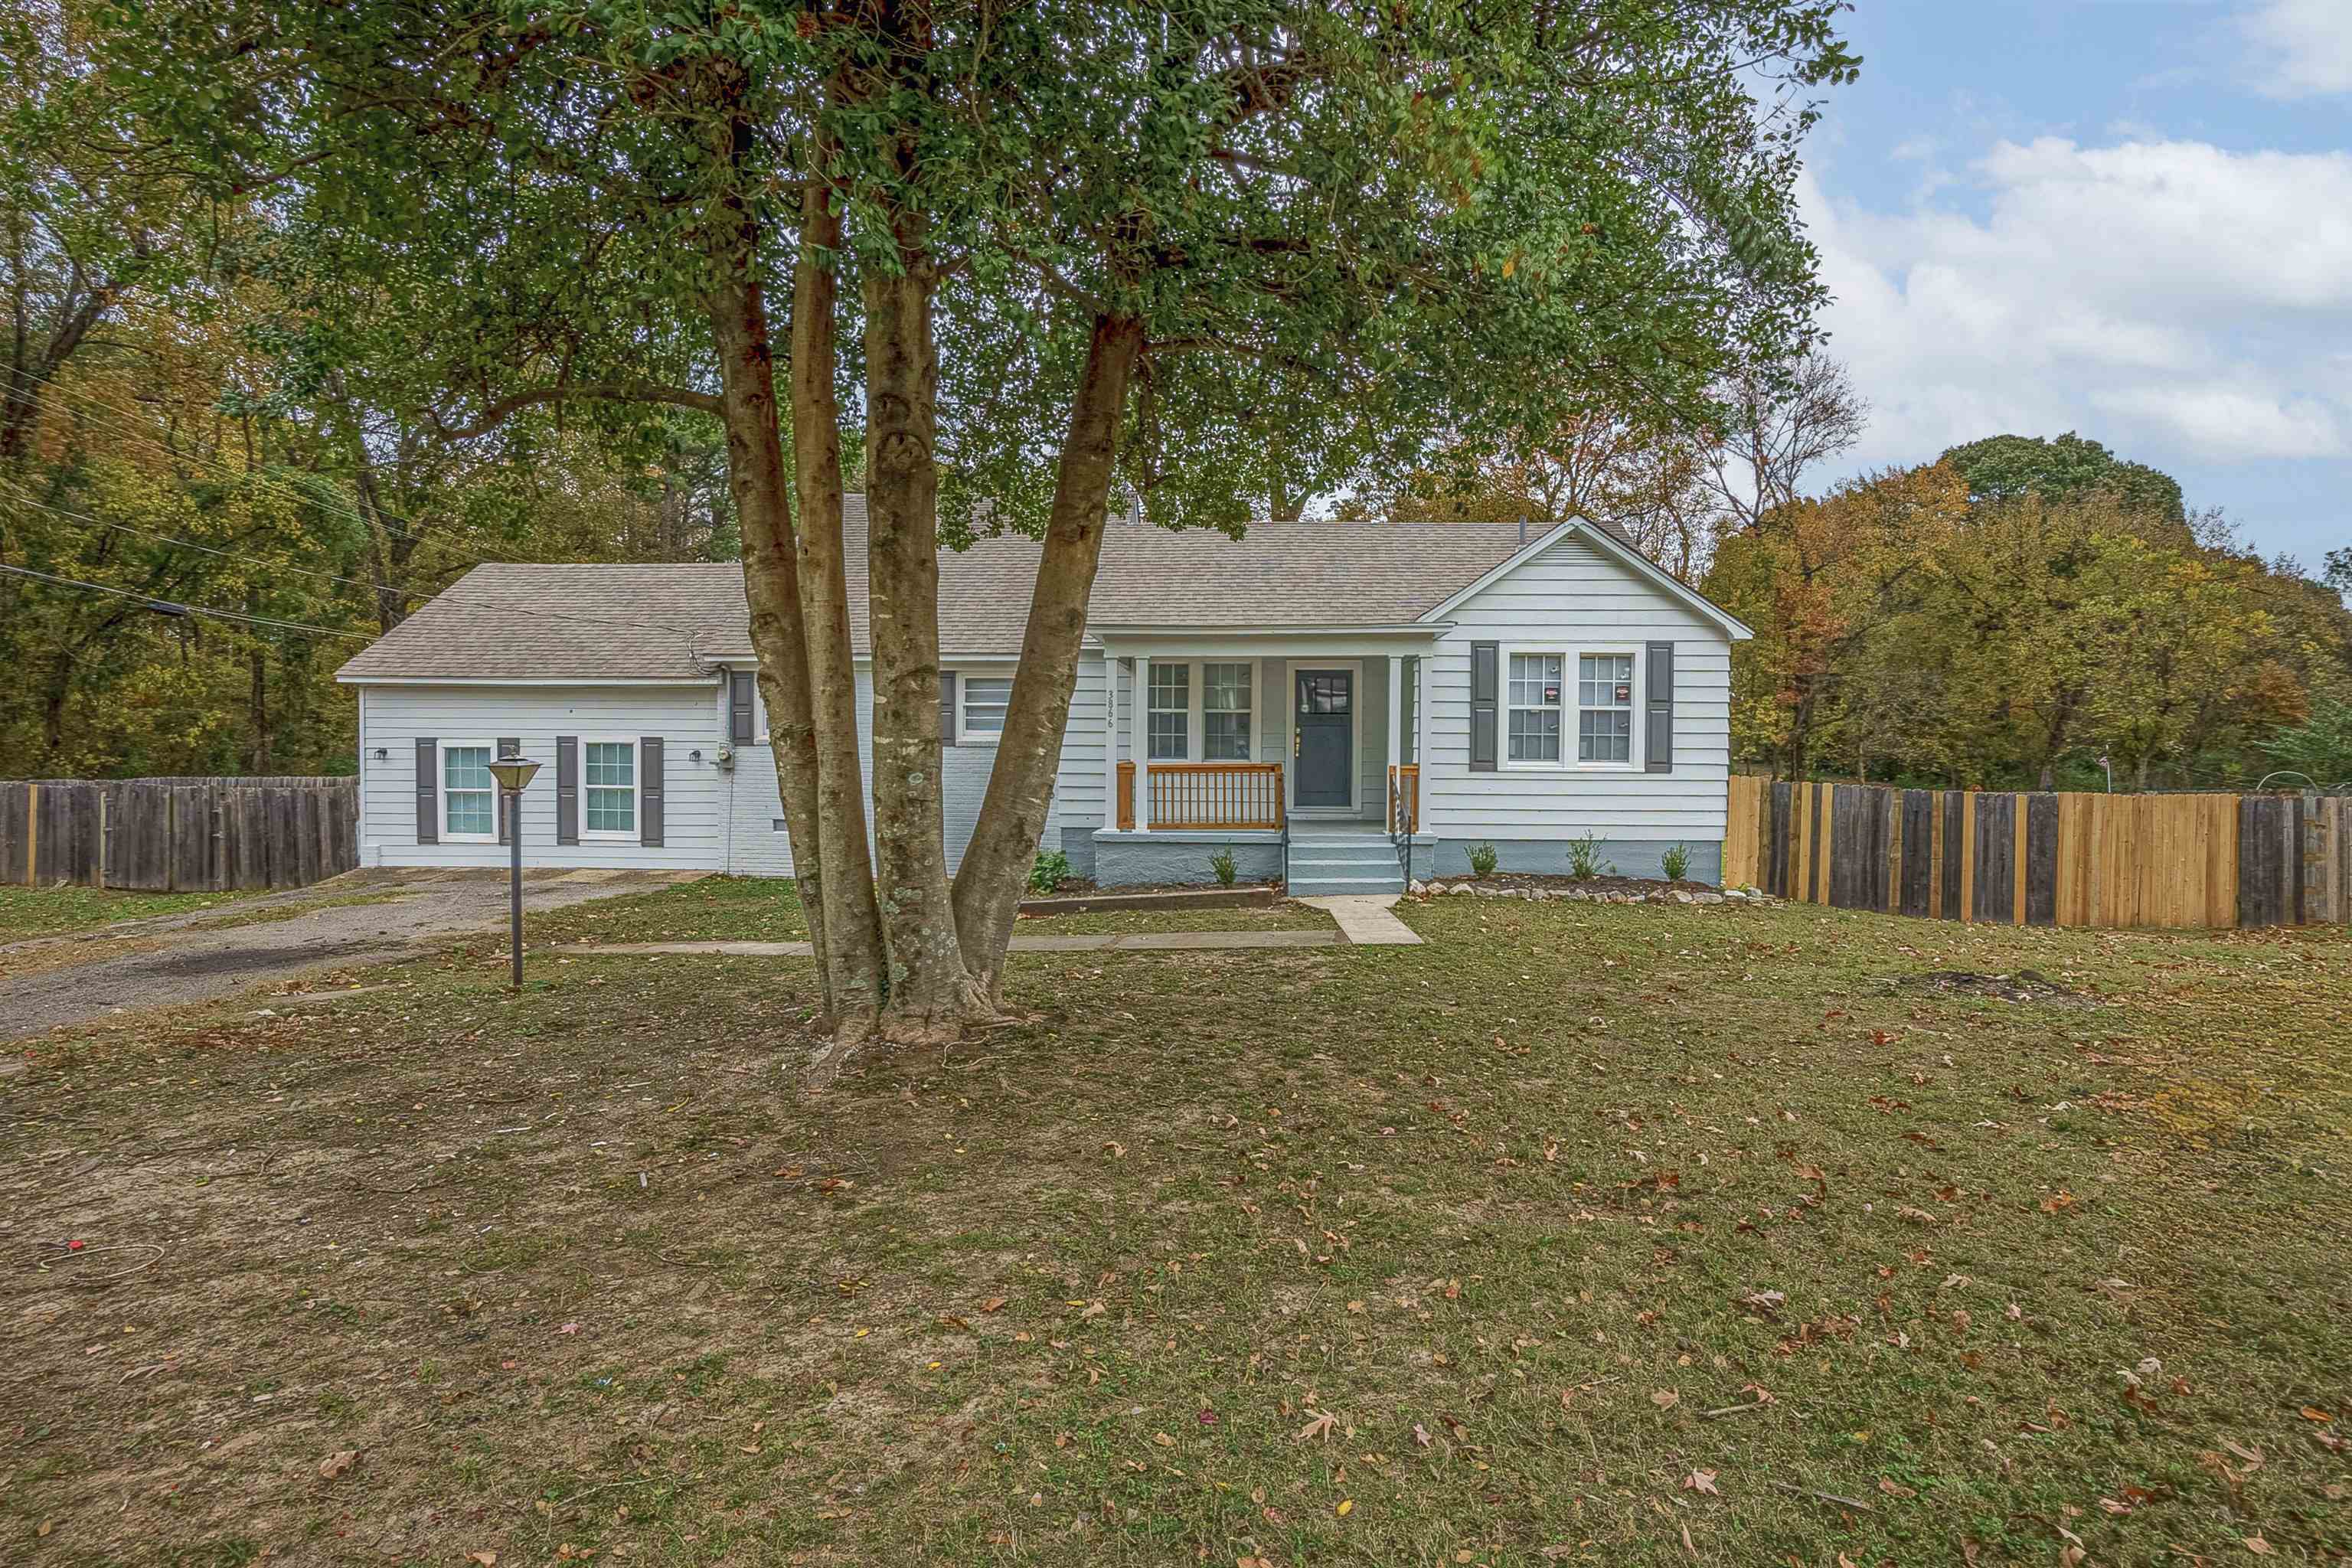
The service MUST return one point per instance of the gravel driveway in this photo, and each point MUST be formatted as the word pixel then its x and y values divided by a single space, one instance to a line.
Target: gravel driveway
pixel 175 958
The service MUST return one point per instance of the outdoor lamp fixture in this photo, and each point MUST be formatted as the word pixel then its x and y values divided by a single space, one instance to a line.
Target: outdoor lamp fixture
pixel 514 775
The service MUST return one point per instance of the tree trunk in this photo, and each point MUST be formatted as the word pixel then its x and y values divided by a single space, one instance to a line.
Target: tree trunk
pixel 257 702
pixel 995 866
pixel 755 477
pixel 852 923
pixel 932 994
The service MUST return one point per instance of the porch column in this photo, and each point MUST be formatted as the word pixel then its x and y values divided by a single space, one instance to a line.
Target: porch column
pixel 1396 732
pixel 1139 707
pixel 1110 739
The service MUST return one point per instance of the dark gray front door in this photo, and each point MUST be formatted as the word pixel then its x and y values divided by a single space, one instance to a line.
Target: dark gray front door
pixel 1323 737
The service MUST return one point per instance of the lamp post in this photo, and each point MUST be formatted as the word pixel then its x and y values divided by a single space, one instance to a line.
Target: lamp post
pixel 514 775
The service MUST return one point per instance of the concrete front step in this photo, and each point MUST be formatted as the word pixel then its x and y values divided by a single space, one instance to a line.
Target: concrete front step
pixel 1324 860
pixel 1334 887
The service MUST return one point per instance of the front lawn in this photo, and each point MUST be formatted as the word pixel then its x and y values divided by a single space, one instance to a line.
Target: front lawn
pixel 27 912
pixel 1607 1233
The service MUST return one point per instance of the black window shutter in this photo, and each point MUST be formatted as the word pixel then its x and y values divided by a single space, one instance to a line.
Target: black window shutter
pixel 428 791
pixel 947 707
pixel 650 794
pixel 1486 658
pixel 740 685
pixel 567 789
pixel 509 746
pixel 1658 746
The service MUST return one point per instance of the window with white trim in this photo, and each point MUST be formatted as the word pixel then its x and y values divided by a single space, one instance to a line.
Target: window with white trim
pixel 608 780
pixel 1225 704
pixel 1170 721
pixel 1534 704
pixel 1604 708
pixel 469 799
pixel 985 699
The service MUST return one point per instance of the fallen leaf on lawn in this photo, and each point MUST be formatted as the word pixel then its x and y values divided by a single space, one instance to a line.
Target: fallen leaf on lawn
pixel 1347 1506
pixel 1764 1303
pixel 568 1329
pixel 486 1559
pixel 2070 1555
pixel 994 1304
pixel 1420 1435
pixel 1688 1544
pixel 1116 1150
pixel 1163 1439
pixel 1701 1481
pixel 2312 1414
pixel 2258 1546
pixel 2253 1457
pixel 1666 1399
pixel 1895 1488
pixel 1318 1427
pixel 336 1463
pixel 2113 1506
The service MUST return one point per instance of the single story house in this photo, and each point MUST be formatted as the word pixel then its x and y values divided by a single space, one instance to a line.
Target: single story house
pixel 1338 704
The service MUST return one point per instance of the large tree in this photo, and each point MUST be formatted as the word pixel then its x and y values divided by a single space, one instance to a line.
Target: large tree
pixel 1400 220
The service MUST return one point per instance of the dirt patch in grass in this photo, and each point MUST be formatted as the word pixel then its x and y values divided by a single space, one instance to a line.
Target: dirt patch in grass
pixel 581 1267
pixel 2025 986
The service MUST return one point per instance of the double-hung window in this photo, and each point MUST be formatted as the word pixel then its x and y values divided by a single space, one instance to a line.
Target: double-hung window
pixel 1169 722
pixel 608 779
pixel 1604 708
pixel 1225 712
pixel 1534 705
pixel 469 800
pixel 985 699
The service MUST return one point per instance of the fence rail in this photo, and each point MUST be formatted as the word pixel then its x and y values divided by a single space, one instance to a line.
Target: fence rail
pixel 178 835
pixel 1204 794
pixel 2044 858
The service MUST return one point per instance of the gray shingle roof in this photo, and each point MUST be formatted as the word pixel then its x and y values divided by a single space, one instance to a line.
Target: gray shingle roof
pixel 638 622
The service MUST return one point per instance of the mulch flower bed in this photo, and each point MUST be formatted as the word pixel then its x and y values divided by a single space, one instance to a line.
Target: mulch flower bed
pixel 1604 890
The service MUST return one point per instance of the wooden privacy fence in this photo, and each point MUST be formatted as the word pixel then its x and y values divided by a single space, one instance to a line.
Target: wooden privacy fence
pixel 178 835
pixel 2043 858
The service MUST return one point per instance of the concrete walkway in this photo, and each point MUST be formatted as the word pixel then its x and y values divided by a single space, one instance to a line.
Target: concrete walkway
pixel 1102 942
pixel 1366 919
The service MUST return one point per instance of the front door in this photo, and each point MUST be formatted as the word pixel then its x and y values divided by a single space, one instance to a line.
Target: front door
pixel 1322 738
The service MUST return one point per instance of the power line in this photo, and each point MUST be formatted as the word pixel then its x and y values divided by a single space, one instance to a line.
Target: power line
pixel 680 632
pixel 173 606
pixel 128 422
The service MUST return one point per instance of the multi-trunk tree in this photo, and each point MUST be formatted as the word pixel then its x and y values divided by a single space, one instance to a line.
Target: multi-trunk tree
pixel 1332 227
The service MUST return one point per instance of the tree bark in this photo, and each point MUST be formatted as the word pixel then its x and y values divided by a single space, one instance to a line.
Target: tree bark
pixel 996 862
pixel 853 939
pixel 755 477
pixel 932 994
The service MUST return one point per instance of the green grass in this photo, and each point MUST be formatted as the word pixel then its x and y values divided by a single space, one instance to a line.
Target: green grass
pixel 584 1269
pixel 27 912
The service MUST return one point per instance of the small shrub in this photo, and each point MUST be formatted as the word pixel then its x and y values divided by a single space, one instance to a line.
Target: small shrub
pixel 1483 860
pixel 1049 871
pixel 1584 862
pixel 1675 862
pixel 1221 866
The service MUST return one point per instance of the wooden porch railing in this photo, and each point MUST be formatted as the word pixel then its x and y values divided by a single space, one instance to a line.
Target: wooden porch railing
pixel 1240 795
pixel 1404 797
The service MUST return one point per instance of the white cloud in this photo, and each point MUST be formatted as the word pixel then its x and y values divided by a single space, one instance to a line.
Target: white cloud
pixel 2170 296
pixel 2302 48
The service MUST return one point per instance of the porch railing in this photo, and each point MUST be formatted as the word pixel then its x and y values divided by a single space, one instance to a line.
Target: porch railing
pixel 1404 797
pixel 1239 795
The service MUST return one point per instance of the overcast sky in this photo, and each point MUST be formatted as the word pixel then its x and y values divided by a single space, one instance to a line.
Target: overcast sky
pixel 2132 219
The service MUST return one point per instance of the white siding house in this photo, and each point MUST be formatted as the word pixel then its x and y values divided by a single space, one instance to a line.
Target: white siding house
pixel 1332 703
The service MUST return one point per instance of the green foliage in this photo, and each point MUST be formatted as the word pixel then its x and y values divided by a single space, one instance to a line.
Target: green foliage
pixel 1221 867
pixel 2003 468
pixel 1483 860
pixel 1675 862
pixel 1049 871
pixel 1584 862
pixel 2321 746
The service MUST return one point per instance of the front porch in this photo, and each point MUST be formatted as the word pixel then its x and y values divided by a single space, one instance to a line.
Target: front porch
pixel 1253 745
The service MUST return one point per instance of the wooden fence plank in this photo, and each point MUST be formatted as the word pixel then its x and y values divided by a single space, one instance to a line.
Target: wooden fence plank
pixel 2038 863
pixel 194 835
